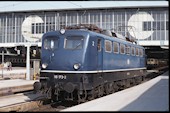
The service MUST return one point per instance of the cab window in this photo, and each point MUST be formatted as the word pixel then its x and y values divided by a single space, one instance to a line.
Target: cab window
pixel 74 42
pixel 51 43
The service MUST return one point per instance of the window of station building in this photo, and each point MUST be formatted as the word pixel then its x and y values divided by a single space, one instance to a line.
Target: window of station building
pixel 32 30
pixel 50 26
pixel 37 28
pixel 133 51
pixel 62 20
pixel 137 51
pixel 141 52
pixel 95 17
pixel 115 47
pixel 154 25
pixel 127 50
pixel 62 25
pixel 108 46
pixel 106 19
pixel 167 25
pixel 83 18
pixel 122 48
pixel 72 18
pixel 146 26
pixel 160 25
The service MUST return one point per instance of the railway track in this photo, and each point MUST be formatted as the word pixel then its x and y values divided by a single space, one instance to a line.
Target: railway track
pixel 56 106
pixel 32 104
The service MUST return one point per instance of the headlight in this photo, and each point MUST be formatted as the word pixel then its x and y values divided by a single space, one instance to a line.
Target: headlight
pixel 62 31
pixel 76 66
pixel 44 65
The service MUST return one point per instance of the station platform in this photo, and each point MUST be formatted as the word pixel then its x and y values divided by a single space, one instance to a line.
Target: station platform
pixel 152 95
pixel 13 81
pixel 15 85
pixel 15 73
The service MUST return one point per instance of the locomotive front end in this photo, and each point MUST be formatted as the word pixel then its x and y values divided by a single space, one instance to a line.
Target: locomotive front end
pixel 62 59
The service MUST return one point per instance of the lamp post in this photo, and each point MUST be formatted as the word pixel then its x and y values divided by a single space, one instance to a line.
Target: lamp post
pixel 27 45
pixel 28 61
pixel 2 61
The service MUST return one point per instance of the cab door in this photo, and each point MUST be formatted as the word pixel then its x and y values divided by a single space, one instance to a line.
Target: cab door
pixel 95 57
pixel 99 54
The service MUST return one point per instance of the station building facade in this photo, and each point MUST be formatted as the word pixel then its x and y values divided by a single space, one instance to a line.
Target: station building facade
pixel 149 25
pixel 142 23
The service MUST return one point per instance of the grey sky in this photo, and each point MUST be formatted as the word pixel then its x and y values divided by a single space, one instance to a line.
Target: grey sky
pixel 38 5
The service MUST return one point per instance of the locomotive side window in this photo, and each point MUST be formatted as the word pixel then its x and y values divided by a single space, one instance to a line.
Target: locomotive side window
pixel 73 42
pixel 122 48
pixel 127 50
pixel 108 46
pixel 133 51
pixel 116 47
pixel 137 51
pixel 50 43
pixel 141 52
pixel 99 45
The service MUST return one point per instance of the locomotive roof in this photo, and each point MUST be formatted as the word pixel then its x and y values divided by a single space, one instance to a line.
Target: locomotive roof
pixel 95 28
pixel 113 38
pixel 98 34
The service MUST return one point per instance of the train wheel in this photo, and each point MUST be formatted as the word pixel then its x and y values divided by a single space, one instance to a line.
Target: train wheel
pixel 132 81
pixel 143 78
pixel 137 79
pixel 91 95
pixel 109 88
pixel 82 97
pixel 127 83
pixel 116 86
pixel 100 90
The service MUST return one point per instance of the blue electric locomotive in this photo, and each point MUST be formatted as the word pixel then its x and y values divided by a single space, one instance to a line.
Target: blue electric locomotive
pixel 80 65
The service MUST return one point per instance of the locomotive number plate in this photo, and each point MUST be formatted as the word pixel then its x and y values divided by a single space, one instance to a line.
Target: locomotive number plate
pixel 60 76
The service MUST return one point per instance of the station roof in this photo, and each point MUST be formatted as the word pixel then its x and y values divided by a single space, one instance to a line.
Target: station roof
pixel 31 6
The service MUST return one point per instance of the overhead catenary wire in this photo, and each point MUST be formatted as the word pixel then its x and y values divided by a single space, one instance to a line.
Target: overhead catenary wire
pixel 80 7
pixel 13 4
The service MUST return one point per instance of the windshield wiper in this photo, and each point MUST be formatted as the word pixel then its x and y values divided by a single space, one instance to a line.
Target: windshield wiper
pixel 79 44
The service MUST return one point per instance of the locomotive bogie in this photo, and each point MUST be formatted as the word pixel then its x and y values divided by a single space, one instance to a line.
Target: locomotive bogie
pixel 93 84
